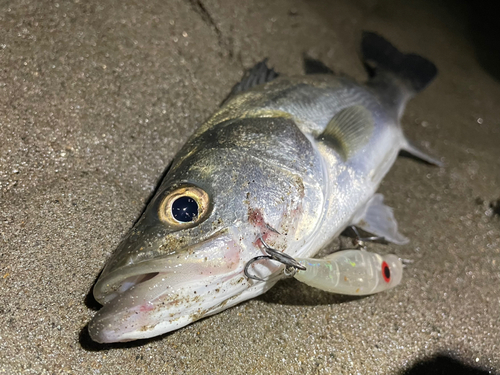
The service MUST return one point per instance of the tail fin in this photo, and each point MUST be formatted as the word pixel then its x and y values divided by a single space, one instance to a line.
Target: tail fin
pixel 380 55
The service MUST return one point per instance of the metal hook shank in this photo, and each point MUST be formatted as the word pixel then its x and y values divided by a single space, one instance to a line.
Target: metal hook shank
pixel 284 259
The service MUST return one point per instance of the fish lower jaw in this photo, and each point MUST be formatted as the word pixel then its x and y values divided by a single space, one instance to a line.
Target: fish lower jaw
pixel 110 335
pixel 156 306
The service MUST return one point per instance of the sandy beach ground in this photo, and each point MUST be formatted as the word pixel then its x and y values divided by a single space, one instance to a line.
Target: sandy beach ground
pixel 97 97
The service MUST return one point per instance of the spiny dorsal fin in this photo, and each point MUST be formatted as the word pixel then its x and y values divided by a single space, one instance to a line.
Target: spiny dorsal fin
pixel 259 74
pixel 348 130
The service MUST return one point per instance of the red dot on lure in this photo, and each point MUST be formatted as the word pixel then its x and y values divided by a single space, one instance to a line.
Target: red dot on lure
pixel 386 272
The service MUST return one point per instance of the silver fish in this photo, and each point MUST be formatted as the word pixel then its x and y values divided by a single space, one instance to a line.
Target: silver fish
pixel 291 161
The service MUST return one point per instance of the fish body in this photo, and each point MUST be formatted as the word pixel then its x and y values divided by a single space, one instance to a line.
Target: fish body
pixel 291 161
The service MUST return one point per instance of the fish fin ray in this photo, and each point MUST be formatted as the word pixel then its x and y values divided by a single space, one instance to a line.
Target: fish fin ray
pixel 259 74
pixel 414 151
pixel 349 130
pixel 378 219
pixel 314 66
pixel 379 56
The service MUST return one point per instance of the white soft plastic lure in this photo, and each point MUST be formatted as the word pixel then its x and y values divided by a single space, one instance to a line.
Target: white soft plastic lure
pixel 352 272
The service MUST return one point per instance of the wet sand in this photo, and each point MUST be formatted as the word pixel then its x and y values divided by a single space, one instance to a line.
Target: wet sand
pixel 96 99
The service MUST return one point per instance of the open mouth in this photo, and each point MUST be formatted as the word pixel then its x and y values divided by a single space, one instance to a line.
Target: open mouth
pixel 129 283
pixel 135 280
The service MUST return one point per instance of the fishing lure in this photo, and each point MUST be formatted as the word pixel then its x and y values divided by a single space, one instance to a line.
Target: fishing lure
pixel 351 272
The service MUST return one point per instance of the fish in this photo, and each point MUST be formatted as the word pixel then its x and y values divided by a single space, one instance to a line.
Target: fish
pixel 285 161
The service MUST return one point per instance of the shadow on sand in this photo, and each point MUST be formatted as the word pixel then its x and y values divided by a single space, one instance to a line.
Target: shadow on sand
pixel 444 364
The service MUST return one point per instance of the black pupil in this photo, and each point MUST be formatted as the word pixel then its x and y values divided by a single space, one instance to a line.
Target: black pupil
pixel 185 209
pixel 387 272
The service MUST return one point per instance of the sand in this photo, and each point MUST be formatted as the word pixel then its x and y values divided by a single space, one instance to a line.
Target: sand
pixel 97 97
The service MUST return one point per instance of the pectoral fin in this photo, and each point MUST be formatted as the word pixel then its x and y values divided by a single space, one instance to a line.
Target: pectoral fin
pixel 349 130
pixel 378 219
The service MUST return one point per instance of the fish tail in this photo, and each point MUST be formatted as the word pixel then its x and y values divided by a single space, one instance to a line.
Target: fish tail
pixel 380 57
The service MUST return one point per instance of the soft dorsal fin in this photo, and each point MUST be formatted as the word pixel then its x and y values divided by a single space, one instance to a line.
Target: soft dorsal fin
pixel 313 66
pixel 260 73
pixel 349 130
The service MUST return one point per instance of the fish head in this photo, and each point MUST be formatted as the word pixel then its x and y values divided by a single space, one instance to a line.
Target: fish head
pixel 185 257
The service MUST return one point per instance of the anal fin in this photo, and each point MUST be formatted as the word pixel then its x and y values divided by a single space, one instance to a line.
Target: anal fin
pixel 419 154
pixel 378 219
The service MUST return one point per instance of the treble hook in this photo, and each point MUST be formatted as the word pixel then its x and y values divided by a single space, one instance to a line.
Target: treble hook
pixel 361 240
pixel 291 264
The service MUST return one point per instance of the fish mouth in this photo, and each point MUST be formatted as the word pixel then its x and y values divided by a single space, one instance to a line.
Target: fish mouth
pixel 160 295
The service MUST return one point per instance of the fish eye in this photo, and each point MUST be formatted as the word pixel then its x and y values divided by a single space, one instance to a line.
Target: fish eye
pixel 184 206
pixel 386 272
pixel 184 209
